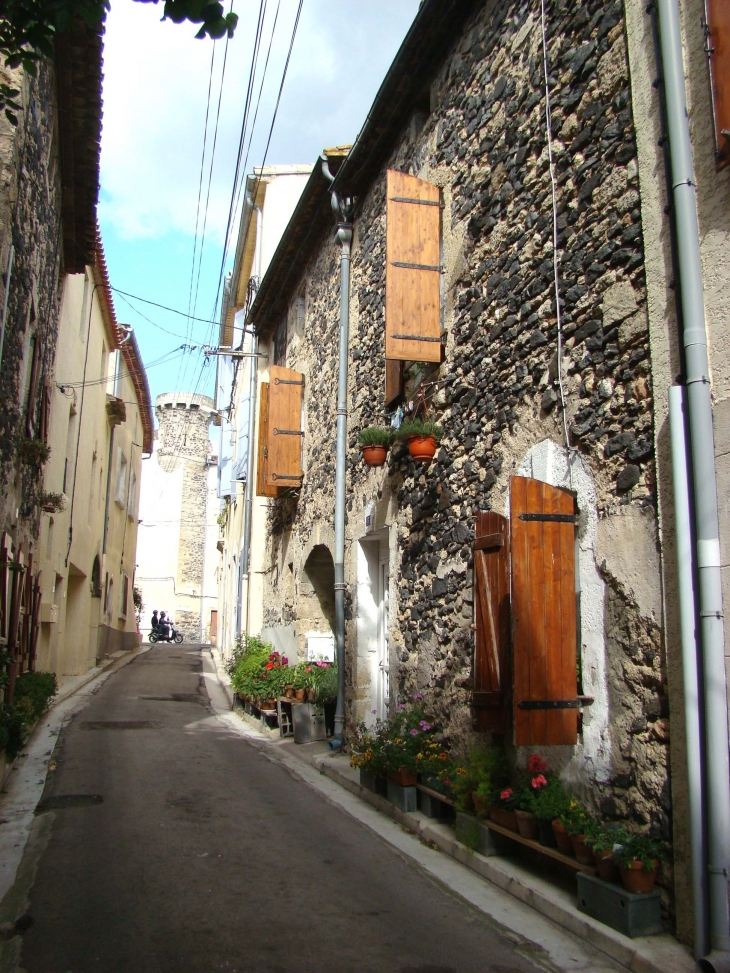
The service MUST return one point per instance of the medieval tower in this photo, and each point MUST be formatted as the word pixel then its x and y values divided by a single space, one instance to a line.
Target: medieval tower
pixel 176 563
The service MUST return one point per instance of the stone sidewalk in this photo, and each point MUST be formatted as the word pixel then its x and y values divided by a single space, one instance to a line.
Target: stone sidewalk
pixel 651 954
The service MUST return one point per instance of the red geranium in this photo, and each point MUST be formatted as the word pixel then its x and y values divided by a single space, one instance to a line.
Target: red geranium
pixel 538 782
pixel 536 765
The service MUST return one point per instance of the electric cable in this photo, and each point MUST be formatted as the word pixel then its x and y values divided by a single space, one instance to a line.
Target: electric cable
pixel 164 307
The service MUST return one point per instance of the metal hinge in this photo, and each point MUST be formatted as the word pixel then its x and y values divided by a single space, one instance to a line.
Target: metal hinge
pixel 555 703
pixel 416 337
pixel 288 432
pixel 288 381
pixel 419 202
pixel 398 263
pixel 551 518
pixel 282 476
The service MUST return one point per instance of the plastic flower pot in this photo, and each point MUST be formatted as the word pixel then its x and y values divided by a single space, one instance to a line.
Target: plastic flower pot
pixel 406 778
pixel 546 835
pixel 374 455
pixel 636 878
pixel 607 866
pixel 527 824
pixel 506 819
pixel 422 448
pixel 562 838
pixel 582 852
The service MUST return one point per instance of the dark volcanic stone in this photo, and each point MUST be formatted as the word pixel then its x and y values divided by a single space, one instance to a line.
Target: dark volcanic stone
pixel 628 477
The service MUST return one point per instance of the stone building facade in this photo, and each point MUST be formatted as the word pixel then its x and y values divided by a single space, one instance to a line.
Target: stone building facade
pixel 177 557
pixel 568 400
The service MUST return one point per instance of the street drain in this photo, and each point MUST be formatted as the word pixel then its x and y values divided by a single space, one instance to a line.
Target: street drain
pixel 62 801
pixel 178 698
pixel 120 725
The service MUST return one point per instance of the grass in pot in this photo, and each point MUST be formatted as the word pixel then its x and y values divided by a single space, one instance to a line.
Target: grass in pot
pixel 375 441
pixel 422 436
pixel 604 843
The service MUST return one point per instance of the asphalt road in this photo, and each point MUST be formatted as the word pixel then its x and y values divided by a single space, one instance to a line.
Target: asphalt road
pixel 167 843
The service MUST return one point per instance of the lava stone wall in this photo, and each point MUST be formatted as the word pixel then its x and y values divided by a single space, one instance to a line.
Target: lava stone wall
pixel 497 394
pixel 30 219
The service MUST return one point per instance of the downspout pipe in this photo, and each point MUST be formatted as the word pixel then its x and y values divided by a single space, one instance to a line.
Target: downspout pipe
pixel 248 511
pixel 704 487
pixel 343 237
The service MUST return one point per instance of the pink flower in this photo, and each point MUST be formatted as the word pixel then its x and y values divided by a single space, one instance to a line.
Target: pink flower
pixel 284 660
pixel 506 794
pixel 538 782
pixel 536 765
pixel 424 726
pixel 418 695
pixel 414 732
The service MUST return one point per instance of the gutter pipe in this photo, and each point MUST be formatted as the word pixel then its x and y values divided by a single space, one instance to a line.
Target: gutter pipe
pixel 343 236
pixel 704 483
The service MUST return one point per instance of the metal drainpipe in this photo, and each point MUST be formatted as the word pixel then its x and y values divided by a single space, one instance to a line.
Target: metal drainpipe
pixel 344 238
pixel 706 521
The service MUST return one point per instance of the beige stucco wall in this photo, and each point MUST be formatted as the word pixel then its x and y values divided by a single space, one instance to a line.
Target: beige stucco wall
pixel 88 626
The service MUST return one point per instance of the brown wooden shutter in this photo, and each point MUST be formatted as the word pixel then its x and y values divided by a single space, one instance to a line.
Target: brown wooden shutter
pixel 284 461
pixel 262 490
pixel 35 370
pixel 491 672
pixel 393 382
pixel 45 420
pixel 413 269
pixel 718 16
pixel 542 528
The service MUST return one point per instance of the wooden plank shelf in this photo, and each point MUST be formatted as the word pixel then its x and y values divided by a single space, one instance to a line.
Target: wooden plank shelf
pixel 437 795
pixel 543 849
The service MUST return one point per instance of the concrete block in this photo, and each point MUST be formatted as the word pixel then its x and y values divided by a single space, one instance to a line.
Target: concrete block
pixel 475 835
pixel 430 806
pixel 627 912
pixel 404 798
pixel 372 782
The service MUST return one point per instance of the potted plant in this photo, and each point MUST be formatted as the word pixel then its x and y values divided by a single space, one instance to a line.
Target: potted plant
pixel 422 436
pixel 32 452
pixel 503 807
pixel 549 803
pixel 604 843
pixel 578 823
pixel 52 502
pixel 638 859
pixel 476 779
pixel 375 441
pixel 563 823
pixel 532 783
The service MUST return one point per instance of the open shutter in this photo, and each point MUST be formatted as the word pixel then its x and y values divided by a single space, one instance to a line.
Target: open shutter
pixel 284 439
pixel 45 420
pixel 718 17
pixel 393 382
pixel 491 672
pixel 413 269
pixel 35 370
pixel 262 490
pixel 542 529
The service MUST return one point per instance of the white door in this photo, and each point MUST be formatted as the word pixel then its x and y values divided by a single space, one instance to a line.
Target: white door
pixel 383 686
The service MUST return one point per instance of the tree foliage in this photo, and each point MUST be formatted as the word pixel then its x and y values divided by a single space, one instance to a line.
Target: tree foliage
pixel 28 28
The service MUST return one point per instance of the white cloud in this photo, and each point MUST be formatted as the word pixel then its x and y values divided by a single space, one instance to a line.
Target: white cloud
pixel 156 80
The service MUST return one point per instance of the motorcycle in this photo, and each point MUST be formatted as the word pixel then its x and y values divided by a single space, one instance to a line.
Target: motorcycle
pixel 174 636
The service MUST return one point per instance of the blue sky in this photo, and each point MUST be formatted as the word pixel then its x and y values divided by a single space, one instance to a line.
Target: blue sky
pixel 155 96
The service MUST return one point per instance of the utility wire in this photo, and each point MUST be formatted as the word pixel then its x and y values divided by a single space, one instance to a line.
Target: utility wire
pixel 164 307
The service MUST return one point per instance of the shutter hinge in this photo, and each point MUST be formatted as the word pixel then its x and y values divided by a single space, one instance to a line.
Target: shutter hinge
pixel 288 381
pixel 397 263
pixel 288 432
pixel 419 202
pixel 282 476
pixel 417 337
pixel 551 518
pixel 555 703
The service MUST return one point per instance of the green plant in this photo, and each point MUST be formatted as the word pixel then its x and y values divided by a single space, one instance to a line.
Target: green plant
pixel 640 848
pixel 419 427
pixel 33 693
pixel 606 839
pixel 576 819
pixel 13 730
pixel 33 452
pixel 376 436
pixel 52 502
pixel 324 683
pixel 138 604
pixel 551 800
pixel 483 772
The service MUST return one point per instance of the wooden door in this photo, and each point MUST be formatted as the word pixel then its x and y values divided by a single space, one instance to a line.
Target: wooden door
pixel 542 528
pixel 492 643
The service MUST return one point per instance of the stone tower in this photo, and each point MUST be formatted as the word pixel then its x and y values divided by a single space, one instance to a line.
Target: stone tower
pixel 183 421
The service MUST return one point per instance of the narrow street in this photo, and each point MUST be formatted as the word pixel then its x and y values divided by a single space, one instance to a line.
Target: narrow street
pixel 166 842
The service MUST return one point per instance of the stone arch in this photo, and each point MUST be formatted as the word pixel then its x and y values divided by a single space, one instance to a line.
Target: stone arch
pixel 317 590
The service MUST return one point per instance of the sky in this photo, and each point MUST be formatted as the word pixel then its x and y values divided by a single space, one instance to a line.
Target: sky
pixel 156 82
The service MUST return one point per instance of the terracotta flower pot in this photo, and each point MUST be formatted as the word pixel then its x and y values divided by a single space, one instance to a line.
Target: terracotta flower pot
pixel 309 694
pixel 374 455
pixel 563 838
pixel 607 866
pixel 582 852
pixel 527 824
pixel 289 692
pixel 406 778
pixel 636 878
pixel 507 819
pixel 481 806
pixel 299 694
pixel 422 448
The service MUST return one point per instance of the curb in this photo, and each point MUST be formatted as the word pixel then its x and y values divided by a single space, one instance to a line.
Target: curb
pixel 649 954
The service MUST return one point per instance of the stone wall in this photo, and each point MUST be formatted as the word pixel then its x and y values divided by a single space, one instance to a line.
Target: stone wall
pixel 497 394
pixel 30 220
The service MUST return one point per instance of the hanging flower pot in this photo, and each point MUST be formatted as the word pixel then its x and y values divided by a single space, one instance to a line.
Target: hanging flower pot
pixel 375 441
pixel 422 436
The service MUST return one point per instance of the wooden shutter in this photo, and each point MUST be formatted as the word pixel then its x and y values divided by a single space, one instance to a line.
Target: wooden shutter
pixel 35 370
pixel 262 490
pixel 284 439
pixel 718 17
pixel 413 269
pixel 542 529
pixel 393 382
pixel 45 420
pixel 491 671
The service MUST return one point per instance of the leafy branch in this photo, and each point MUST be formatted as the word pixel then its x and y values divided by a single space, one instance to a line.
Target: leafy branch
pixel 28 28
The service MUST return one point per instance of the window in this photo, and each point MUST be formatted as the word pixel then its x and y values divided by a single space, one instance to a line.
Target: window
pixel 526 617
pixel 120 494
